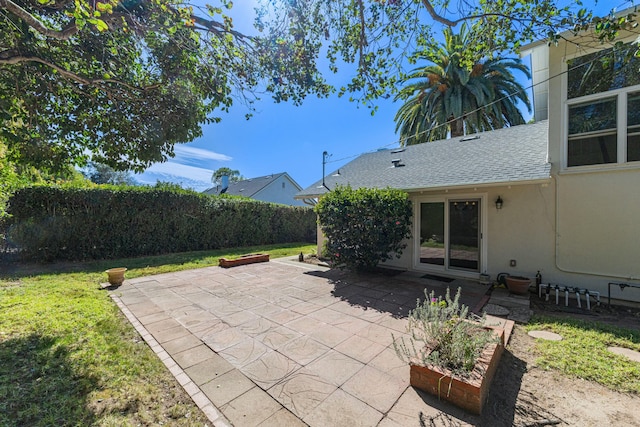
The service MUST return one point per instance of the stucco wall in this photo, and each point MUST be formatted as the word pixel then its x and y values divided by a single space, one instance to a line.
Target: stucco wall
pixel 523 230
pixel 598 237
pixel 599 223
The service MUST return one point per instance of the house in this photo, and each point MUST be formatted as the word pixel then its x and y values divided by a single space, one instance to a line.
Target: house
pixel 560 196
pixel 275 188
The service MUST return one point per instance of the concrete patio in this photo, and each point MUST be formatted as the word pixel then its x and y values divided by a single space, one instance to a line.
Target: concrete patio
pixel 288 344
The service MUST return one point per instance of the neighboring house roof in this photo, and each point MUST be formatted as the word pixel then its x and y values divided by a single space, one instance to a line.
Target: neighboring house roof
pixel 512 155
pixel 249 187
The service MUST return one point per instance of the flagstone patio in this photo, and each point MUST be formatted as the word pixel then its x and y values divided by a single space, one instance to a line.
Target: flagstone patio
pixel 288 344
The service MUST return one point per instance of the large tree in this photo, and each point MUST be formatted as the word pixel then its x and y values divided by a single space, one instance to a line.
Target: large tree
pixel 105 174
pixel 120 82
pixel 447 98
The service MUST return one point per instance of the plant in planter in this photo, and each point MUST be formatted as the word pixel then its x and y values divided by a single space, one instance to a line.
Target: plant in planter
pixel 451 355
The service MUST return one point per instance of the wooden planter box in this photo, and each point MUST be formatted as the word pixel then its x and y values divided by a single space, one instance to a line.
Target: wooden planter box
pixel 468 393
pixel 244 259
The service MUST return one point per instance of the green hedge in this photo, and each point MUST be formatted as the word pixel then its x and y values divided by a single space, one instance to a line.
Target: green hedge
pixel 52 223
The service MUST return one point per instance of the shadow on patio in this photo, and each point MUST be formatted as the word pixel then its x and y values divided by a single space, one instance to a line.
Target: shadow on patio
pixel 396 294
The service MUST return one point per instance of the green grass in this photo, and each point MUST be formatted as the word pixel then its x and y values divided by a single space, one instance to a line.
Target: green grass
pixel 68 356
pixel 583 352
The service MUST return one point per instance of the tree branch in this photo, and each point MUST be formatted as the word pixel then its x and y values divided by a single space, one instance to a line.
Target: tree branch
pixel 363 39
pixel 70 75
pixel 441 19
pixel 436 17
pixel 34 23
pixel 218 28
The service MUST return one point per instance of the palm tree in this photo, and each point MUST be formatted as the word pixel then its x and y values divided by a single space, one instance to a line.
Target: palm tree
pixel 233 174
pixel 448 98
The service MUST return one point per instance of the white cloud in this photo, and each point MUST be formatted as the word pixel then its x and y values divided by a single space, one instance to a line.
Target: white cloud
pixel 193 153
pixel 184 168
pixel 180 170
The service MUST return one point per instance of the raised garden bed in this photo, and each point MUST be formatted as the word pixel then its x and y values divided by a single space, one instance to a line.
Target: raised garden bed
pixel 469 393
pixel 244 259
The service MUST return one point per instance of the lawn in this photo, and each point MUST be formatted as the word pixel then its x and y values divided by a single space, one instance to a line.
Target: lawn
pixel 583 351
pixel 68 356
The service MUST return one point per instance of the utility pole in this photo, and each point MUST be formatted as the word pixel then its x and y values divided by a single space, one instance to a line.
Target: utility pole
pixel 325 157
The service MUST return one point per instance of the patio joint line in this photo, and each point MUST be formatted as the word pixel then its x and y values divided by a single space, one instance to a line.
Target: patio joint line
pixel 197 396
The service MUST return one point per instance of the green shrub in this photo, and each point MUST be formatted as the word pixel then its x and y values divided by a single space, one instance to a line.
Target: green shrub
pixel 62 223
pixel 364 227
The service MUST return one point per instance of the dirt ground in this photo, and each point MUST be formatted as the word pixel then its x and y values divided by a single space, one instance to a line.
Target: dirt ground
pixel 523 394
pixel 549 398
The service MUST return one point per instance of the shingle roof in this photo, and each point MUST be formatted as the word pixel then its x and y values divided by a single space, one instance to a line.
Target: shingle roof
pixel 247 187
pixel 511 155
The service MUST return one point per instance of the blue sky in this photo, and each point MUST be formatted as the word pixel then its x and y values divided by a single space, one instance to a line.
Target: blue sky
pixel 282 137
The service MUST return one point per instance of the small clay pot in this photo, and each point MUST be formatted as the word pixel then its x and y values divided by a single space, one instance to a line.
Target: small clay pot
pixel 116 275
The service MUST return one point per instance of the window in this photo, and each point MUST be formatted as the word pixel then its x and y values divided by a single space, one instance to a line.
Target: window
pixel 633 127
pixel 593 137
pixel 603 110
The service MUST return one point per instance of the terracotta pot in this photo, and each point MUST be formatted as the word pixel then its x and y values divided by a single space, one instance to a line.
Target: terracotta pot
pixel 116 275
pixel 518 285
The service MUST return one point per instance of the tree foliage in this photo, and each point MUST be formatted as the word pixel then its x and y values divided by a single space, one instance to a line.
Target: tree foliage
pixel 447 98
pixel 99 173
pixel 121 82
pixel 233 174
pixel 365 226
pixel 8 179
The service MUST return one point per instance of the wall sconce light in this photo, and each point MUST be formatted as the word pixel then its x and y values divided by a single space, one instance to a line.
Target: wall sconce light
pixel 499 203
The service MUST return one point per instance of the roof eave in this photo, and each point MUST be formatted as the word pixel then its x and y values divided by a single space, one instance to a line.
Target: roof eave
pixel 480 185
pixel 455 187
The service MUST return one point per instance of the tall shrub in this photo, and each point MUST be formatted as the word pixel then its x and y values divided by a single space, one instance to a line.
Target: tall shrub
pixel 365 226
pixel 52 223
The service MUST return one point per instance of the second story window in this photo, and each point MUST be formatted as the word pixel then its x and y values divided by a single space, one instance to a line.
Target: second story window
pixel 603 97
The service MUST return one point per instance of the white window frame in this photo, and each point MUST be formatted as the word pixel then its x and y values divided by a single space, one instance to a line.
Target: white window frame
pixel 621 120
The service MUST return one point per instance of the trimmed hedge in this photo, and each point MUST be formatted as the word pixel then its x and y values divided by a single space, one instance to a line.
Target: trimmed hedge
pixel 52 223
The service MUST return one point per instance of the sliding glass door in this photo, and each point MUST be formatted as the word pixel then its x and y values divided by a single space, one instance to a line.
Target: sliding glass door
pixel 450 234
pixel 432 250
